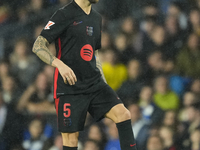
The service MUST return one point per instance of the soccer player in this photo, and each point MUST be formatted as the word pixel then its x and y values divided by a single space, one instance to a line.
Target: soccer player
pixel 79 83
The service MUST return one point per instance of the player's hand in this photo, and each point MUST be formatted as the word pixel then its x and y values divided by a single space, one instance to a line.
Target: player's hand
pixel 67 74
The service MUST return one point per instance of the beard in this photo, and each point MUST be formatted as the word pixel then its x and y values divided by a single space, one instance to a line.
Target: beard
pixel 93 1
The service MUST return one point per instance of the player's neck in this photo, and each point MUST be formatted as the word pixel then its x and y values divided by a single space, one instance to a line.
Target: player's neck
pixel 85 5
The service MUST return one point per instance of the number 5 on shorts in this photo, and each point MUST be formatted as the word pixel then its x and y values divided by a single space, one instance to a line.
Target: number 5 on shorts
pixel 67 111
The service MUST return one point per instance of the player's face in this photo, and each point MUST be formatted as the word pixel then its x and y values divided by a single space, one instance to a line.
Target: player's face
pixel 93 1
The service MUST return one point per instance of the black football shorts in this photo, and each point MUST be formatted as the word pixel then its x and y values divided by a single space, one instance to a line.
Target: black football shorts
pixel 72 109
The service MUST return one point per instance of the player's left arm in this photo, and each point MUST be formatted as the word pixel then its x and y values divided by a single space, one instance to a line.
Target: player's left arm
pixel 99 65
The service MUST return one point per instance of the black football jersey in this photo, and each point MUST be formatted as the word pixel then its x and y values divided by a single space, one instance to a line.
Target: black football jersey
pixel 76 36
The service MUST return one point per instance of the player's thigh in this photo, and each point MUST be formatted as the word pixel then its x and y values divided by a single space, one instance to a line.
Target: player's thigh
pixel 118 113
pixel 103 101
pixel 70 139
pixel 71 112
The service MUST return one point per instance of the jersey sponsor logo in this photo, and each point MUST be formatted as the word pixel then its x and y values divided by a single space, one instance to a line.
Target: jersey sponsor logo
pixel 50 23
pixel 76 23
pixel 87 52
pixel 89 30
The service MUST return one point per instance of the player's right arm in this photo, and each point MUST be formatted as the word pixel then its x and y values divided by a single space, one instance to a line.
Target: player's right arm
pixel 54 28
pixel 40 48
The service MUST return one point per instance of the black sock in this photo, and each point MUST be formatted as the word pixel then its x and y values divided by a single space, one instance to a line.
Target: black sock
pixel 69 148
pixel 126 137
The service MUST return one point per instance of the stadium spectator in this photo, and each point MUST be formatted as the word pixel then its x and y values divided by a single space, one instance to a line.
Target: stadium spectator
pixel 35 7
pixel 175 9
pixel 158 36
pixel 129 28
pixel 154 66
pixel 188 127
pixel 114 72
pixel 37 140
pixel 188 99
pixel 130 88
pixel 154 143
pixel 11 125
pixel 35 99
pixel 163 97
pixel 156 41
pixel 174 37
pixel 150 111
pixel 195 21
pixel 106 42
pixel 168 67
pixel 24 66
pixel 167 134
pixel 187 63
pixel 170 119
pixel 194 116
pixel 154 130
pixel 22 15
pixel 147 26
pixel 150 9
pixel 97 134
pixel 10 91
pixel 91 145
pixel 126 52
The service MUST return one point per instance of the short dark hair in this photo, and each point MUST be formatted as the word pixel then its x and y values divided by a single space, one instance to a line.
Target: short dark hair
pixel 24 40
pixel 177 5
pixel 151 4
pixel 194 9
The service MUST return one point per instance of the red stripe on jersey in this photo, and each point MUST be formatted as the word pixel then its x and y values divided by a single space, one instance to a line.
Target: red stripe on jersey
pixel 56 70
pixel 56 104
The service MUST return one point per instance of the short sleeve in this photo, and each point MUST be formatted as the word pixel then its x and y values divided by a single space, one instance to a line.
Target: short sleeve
pixel 98 44
pixel 56 25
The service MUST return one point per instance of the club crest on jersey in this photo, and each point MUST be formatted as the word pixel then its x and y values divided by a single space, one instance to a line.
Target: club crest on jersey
pixel 67 122
pixel 89 30
pixel 49 24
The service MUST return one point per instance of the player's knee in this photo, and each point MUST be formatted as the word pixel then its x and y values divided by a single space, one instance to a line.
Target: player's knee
pixel 125 115
pixel 72 142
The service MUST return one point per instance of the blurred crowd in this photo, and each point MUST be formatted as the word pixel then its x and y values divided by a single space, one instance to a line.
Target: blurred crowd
pixel 150 56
